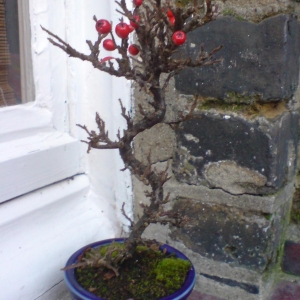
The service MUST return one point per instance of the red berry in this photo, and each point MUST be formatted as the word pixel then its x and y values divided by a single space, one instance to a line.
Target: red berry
pixel 109 45
pixel 103 26
pixel 130 28
pixel 122 30
pixel 133 49
pixel 104 59
pixel 172 20
pixel 133 23
pixel 170 13
pixel 137 2
pixel 179 37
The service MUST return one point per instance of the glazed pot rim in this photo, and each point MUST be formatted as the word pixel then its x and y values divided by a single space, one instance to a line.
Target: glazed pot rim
pixel 79 291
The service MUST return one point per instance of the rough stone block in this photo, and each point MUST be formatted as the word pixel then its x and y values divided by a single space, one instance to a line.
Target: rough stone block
pixel 155 144
pixel 254 10
pixel 237 154
pixel 293 233
pixel 260 60
pixel 286 291
pixel 264 204
pixel 291 258
pixel 218 278
pixel 231 235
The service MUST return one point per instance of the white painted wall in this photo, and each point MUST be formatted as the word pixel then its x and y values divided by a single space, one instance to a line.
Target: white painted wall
pixel 41 221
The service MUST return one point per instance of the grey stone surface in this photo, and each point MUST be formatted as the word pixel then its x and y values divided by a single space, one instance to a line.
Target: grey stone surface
pixel 230 235
pixel 268 204
pixel 63 296
pixel 255 10
pixel 264 70
pixel 202 264
pixel 237 154
pixel 293 233
pixel 259 60
pixel 233 178
pixel 249 288
pixel 155 144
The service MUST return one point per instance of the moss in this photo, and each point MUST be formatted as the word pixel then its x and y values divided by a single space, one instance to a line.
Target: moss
pixel 268 216
pixel 189 167
pixel 249 106
pixel 231 13
pixel 295 216
pixel 183 3
pixel 171 271
pixel 256 17
pixel 141 248
pixel 295 212
pixel 231 107
pixel 114 253
pixel 233 97
pixel 149 274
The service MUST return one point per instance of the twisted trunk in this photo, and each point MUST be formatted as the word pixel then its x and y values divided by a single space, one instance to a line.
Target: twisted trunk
pixel 136 167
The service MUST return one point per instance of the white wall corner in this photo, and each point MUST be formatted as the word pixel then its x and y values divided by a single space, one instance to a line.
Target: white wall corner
pixel 39 231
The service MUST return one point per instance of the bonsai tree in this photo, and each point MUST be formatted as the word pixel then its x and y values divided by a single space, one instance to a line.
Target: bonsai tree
pixel 160 29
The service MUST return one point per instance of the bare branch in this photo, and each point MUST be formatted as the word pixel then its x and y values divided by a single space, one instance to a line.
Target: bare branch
pixel 157 55
pixel 126 216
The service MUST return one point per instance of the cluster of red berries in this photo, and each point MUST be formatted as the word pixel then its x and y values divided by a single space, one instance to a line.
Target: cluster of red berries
pixel 178 37
pixel 123 30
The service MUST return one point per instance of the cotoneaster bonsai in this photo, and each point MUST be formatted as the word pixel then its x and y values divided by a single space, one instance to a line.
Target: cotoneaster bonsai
pixel 160 29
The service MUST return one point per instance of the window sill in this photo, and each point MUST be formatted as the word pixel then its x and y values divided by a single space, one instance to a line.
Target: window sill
pixel 37 160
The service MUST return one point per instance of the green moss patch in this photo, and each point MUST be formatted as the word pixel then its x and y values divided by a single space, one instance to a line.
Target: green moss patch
pixel 114 253
pixel 183 3
pixel 231 13
pixel 249 107
pixel 148 275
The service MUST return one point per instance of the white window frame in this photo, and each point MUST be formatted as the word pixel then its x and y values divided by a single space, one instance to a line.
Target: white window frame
pixel 45 217
pixel 32 137
pixel 43 130
pixel 27 84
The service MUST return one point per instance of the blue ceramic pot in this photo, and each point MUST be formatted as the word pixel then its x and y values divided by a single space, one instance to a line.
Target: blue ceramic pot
pixel 79 293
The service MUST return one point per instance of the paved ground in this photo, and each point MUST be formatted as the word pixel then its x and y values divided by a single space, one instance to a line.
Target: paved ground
pixel 195 296
pixel 285 291
pixel 199 296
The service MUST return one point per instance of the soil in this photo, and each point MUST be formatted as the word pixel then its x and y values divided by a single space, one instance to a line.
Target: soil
pixel 148 275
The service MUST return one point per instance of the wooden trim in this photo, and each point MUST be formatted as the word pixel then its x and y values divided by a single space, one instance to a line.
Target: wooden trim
pixel 30 163
pixel 27 82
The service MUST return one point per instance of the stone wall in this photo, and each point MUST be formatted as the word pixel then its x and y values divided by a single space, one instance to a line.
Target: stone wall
pixel 234 164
